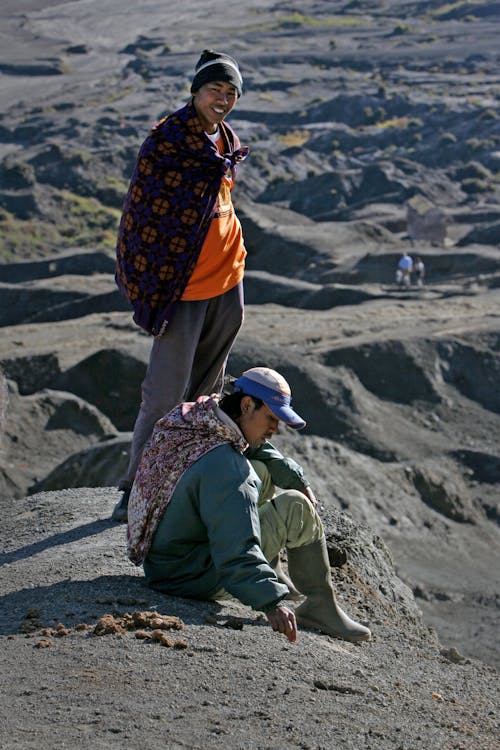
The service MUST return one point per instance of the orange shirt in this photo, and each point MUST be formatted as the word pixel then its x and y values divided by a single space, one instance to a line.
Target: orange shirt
pixel 221 262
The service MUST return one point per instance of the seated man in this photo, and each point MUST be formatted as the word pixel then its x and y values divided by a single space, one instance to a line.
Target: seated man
pixel 194 519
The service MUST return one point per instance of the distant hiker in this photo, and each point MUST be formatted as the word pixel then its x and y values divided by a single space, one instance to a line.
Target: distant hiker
pixel 203 518
pixel 419 269
pixel 180 251
pixel 405 265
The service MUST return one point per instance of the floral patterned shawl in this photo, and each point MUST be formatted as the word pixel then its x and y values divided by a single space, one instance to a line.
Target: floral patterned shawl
pixel 179 439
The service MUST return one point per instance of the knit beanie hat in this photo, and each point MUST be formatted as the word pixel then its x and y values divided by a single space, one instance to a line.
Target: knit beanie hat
pixel 216 66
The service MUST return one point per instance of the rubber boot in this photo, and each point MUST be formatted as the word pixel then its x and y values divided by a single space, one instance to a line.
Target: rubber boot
pixel 294 595
pixel 120 510
pixel 309 569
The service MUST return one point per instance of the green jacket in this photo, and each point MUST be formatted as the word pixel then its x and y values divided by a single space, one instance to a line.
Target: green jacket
pixel 285 472
pixel 209 536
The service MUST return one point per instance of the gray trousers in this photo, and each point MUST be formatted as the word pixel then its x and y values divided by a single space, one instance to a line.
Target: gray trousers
pixel 188 361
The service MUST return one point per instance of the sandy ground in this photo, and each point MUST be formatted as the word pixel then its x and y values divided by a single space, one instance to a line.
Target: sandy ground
pixel 231 682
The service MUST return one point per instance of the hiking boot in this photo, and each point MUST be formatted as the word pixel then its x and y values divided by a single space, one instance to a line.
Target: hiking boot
pixel 309 569
pixel 120 510
pixel 282 577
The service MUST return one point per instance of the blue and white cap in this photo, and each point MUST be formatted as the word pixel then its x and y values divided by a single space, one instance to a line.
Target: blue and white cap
pixel 273 390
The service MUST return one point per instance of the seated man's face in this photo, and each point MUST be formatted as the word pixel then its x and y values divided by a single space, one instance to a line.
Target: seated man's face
pixel 257 424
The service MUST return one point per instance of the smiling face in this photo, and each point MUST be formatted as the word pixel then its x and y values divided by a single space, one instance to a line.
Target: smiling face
pixel 257 424
pixel 213 101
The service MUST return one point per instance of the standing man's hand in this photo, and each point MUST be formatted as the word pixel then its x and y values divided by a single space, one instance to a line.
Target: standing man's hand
pixel 283 621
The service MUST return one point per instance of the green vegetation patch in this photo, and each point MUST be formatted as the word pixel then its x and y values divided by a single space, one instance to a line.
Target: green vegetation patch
pixel 25 239
pixel 447 8
pixel 294 137
pixel 69 220
pixel 86 219
pixel 299 19
pixel 400 123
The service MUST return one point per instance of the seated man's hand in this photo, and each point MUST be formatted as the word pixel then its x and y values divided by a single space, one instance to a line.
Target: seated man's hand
pixel 283 621
pixel 307 491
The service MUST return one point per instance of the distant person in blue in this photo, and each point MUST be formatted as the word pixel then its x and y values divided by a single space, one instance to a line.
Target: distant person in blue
pixel 405 267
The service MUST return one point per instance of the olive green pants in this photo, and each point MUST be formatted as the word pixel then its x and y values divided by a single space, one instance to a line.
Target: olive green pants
pixel 287 518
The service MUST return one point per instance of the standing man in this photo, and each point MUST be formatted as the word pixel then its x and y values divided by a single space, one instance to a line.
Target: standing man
pixel 180 251
pixel 419 269
pixel 198 521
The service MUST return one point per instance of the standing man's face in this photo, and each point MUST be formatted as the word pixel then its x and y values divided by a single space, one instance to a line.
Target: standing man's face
pixel 213 101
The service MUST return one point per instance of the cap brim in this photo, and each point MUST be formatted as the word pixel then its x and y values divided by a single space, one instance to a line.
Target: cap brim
pixel 287 415
pixel 272 399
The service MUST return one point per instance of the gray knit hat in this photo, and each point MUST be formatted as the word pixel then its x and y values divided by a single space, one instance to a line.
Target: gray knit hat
pixel 216 66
